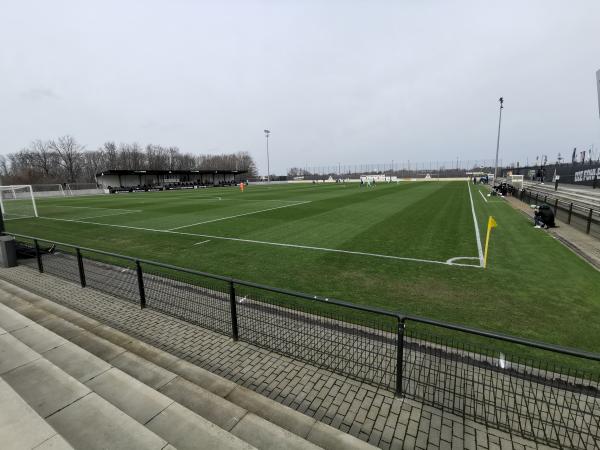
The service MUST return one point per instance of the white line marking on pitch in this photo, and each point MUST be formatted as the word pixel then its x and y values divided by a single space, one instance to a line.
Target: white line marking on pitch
pixel 202 242
pixel 95 207
pixel 456 258
pixel 233 217
pixel 17 218
pixel 277 244
pixel 109 215
pixel 477 237
pixel 483 196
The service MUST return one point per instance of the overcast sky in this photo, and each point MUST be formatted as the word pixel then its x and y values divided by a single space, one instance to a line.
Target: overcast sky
pixel 350 82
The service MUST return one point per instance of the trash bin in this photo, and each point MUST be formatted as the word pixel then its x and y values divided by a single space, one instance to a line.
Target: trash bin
pixel 8 251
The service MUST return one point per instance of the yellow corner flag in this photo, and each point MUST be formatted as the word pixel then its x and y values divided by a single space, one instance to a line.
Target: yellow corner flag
pixel 491 224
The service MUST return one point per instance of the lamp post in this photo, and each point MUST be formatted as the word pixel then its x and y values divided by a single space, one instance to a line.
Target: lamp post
pixel 267 133
pixel 501 100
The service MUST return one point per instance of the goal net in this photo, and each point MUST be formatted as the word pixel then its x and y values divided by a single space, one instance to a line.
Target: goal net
pixel 83 189
pixel 48 190
pixel 17 202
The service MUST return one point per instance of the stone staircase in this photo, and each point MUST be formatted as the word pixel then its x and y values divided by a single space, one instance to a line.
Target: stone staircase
pixel 67 381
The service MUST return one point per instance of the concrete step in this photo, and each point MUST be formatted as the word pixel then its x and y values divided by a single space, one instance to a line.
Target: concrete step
pixel 67 407
pixel 255 419
pixel 20 426
pixel 102 407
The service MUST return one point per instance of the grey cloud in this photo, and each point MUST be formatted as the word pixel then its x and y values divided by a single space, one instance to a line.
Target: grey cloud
pixel 39 94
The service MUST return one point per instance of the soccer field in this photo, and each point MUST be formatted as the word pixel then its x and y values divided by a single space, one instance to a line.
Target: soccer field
pixel 412 247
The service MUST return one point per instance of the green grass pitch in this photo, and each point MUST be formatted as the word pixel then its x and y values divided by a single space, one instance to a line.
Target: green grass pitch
pixel 410 247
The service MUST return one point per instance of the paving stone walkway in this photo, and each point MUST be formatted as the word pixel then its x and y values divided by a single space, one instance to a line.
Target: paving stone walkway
pixel 370 413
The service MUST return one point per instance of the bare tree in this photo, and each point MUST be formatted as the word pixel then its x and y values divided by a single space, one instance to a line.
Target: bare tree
pixel 157 157
pixel 110 155
pixel 65 160
pixel 93 162
pixel 44 159
pixel 69 152
pixel 3 166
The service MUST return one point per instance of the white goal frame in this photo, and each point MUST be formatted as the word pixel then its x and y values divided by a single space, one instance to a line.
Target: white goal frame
pixel 13 188
pixel 42 190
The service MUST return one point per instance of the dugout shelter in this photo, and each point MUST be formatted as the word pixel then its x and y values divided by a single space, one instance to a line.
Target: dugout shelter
pixel 168 179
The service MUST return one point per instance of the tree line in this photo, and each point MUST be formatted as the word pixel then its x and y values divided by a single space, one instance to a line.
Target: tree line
pixel 65 160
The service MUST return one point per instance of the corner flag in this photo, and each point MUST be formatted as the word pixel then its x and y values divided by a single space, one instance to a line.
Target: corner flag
pixel 491 224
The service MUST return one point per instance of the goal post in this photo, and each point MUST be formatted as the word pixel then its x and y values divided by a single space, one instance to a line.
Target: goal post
pixel 17 202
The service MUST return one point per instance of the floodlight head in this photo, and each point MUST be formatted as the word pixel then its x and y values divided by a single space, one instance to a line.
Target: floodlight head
pixel 501 100
pixel 267 132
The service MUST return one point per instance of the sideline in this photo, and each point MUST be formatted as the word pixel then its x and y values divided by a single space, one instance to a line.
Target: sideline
pixel 477 236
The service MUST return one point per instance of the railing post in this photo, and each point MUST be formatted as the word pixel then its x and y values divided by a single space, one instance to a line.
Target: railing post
pixel 537 195
pixel 555 207
pixel 38 256
pixel 81 268
pixel 140 277
pixel 399 356
pixel 589 221
pixel 233 306
pixel 570 213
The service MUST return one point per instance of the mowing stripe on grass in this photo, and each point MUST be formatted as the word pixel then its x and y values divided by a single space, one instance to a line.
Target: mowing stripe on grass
pixel 237 215
pixel 477 237
pixel 277 244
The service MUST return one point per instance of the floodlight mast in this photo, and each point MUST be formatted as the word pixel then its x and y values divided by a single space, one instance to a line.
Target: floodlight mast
pixel 501 100
pixel 267 133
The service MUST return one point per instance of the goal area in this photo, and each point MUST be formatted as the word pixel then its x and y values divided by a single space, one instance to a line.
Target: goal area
pixel 17 202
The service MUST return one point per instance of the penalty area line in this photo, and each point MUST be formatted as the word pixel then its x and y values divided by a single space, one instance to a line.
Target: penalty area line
pixel 276 244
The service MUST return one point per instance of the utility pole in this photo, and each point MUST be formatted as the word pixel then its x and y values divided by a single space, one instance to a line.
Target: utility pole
pixel 267 133
pixel 501 100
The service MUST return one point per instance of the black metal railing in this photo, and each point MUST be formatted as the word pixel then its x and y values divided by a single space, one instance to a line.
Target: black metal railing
pixel 544 392
pixel 576 214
